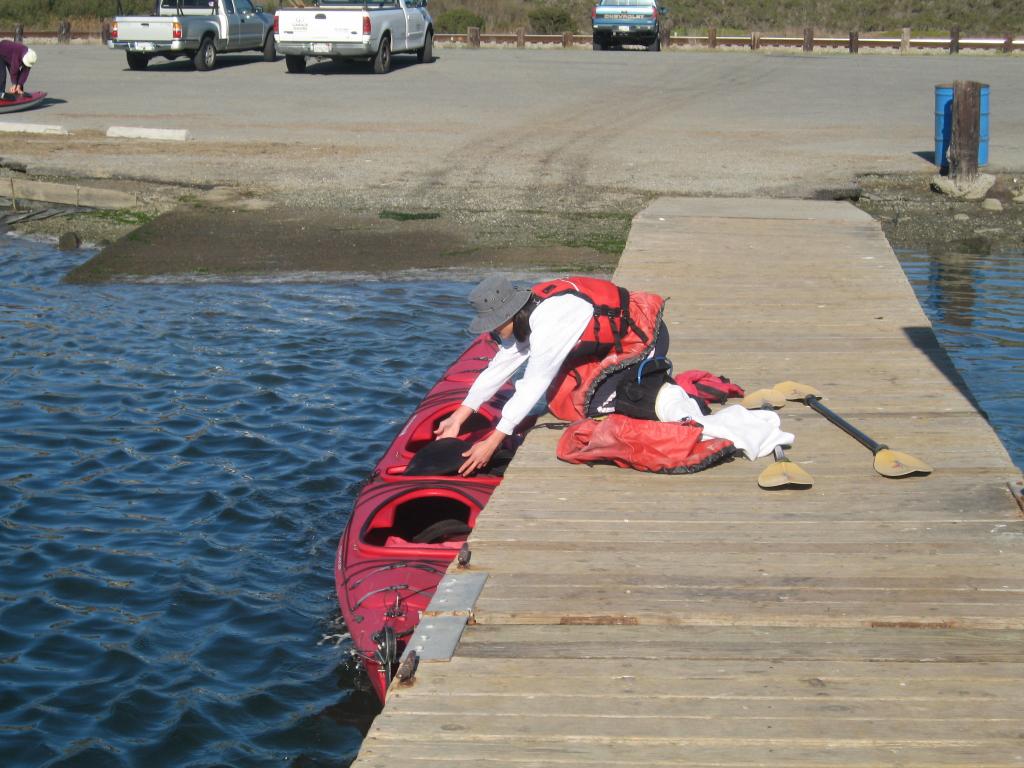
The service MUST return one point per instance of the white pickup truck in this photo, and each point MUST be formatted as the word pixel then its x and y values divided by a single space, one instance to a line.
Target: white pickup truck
pixel 343 29
pixel 199 29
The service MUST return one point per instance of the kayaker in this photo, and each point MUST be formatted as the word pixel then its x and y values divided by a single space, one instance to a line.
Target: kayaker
pixel 17 60
pixel 593 348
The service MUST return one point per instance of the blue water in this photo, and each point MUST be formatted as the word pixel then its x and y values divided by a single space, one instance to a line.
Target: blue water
pixel 176 465
pixel 177 462
pixel 976 306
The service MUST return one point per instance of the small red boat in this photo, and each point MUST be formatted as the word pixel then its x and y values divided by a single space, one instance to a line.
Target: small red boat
pixel 404 530
pixel 22 101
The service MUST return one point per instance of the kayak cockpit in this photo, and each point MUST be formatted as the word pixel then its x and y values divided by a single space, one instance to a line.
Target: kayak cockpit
pixel 422 517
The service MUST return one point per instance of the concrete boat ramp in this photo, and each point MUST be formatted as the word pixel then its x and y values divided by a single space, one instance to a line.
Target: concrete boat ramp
pixel 637 619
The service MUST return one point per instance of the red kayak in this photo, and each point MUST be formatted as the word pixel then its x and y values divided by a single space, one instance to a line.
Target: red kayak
pixel 405 530
pixel 22 102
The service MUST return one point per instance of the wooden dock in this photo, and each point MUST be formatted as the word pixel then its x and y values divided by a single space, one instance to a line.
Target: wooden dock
pixel 637 619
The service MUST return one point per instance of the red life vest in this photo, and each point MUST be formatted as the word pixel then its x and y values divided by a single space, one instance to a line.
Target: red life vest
pixel 671 447
pixel 623 333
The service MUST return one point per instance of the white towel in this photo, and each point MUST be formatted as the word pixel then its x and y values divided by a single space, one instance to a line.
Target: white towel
pixel 756 433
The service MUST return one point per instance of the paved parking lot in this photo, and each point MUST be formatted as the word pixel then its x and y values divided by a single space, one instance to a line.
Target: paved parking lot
pixel 495 128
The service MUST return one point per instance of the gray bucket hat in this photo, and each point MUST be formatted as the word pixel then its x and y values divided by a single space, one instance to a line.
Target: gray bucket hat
pixel 496 301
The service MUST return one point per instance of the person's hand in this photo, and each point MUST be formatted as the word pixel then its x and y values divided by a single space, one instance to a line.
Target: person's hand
pixel 480 453
pixel 451 426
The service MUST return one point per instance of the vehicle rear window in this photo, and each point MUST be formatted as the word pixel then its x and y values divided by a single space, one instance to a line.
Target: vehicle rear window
pixel 361 4
pixel 631 3
pixel 188 5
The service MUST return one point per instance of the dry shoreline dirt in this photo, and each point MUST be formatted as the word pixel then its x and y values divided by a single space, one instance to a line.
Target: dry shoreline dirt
pixel 188 233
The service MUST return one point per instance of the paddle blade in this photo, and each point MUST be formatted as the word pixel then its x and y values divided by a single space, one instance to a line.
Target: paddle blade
pixel 763 398
pixel 794 390
pixel 898 464
pixel 783 473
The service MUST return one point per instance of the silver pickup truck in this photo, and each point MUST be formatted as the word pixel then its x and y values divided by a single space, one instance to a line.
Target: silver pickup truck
pixel 370 30
pixel 199 29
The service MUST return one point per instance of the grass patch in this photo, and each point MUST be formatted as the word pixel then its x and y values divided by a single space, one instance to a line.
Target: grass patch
pixel 604 232
pixel 124 216
pixel 610 243
pixel 404 216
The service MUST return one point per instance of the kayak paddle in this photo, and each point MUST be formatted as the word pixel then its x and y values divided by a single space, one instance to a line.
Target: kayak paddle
pixel 887 462
pixel 763 398
pixel 783 472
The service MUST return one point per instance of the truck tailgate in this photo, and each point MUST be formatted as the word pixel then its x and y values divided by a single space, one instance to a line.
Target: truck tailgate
pixel 151 28
pixel 624 14
pixel 310 25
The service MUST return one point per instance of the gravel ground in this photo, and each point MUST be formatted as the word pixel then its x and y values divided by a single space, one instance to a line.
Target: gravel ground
pixel 536 156
pixel 918 219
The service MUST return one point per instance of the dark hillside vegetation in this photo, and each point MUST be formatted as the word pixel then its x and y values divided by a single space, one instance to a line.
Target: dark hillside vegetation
pixel 974 17
pixel 85 15
pixel 995 18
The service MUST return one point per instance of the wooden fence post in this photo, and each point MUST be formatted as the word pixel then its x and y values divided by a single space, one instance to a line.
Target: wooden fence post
pixel 64 32
pixel 808 39
pixel 965 133
pixel 520 37
pixel 755 41
pixel 105 31
pixel 954 40
pixel 854 42
pixel 712 37
pixel 19 32
pixel 567 39
pixel 905 41
pixel 665 36
pixel 1008 44
pixel 473 37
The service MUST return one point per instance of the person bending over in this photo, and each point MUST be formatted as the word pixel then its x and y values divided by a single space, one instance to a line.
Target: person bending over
pixel 580 338
pixel 18 61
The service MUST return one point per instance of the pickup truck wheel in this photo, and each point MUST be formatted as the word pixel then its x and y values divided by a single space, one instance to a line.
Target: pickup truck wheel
pixel 270 48
pixel 382 59
pixel 295 64
pixel 600 45
pixel 137 61
pixel 206 56
pixel 656 45
pixel 426 54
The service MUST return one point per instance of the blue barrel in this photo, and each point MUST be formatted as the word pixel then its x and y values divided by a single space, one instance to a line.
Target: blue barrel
pixel 944 125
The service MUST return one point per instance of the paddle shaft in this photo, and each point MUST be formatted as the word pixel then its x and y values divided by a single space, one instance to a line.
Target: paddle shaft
pixel 843 424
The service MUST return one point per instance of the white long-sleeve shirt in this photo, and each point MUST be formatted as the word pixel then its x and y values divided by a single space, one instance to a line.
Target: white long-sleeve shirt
pixel 556 325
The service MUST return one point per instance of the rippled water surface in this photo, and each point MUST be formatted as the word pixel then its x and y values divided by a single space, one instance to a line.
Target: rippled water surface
pixel 976 305
pixel 177 462
pixel 176 465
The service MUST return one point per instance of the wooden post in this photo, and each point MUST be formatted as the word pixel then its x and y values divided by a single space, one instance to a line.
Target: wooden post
pixel 712 37
pixel 64 33
pixel 965 133
pixel 19 32
pixel 105 31
pixel 1008 44
pixel 567 39
pixel 854 42
pixel 665 35
pixel 473 37
pixel 520 37
pixel 954 40
pixel 905 41
pixel 755 41
pixel 808 39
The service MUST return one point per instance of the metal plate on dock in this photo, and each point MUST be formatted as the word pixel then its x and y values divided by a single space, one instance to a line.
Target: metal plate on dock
pixel 436 637
pixel 456 594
